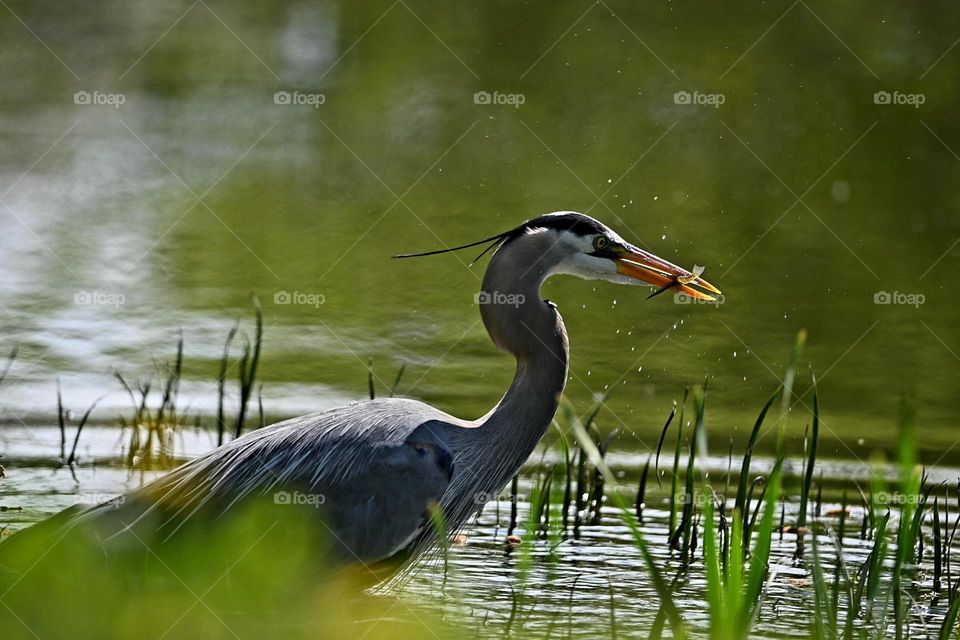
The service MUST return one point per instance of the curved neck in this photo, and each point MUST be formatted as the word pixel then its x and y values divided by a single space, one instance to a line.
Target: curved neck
pixel 532 330
pixel 490 451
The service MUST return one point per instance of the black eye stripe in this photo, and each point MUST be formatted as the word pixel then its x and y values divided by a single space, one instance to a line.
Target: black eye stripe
pixel 576 223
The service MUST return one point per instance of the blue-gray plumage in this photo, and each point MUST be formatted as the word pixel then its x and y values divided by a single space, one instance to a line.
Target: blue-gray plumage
pixel 381 466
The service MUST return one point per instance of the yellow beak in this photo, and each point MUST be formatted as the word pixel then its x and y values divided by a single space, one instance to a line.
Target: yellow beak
pixel 639 264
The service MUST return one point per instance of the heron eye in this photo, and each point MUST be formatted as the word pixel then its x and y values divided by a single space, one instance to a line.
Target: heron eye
pixel 600 243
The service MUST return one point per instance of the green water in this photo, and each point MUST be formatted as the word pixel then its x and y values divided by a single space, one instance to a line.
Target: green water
pixel 314 198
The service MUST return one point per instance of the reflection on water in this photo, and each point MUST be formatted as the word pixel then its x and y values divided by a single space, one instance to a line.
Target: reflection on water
pixel 569 584
pixel 163 161
pixel 805 197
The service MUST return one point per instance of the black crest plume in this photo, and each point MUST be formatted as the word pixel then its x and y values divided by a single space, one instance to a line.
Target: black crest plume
pixel 565 221
pixel 495 241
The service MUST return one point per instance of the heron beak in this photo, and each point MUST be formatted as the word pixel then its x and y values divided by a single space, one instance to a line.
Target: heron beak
pixel 637 263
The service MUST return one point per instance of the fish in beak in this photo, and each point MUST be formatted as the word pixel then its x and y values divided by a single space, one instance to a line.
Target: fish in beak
pixel 642 265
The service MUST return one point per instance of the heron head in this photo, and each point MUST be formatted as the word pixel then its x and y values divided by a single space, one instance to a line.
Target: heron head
pixel 576 244
pixel 567 242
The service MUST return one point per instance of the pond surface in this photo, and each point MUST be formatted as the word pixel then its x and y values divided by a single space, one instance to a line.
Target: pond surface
pixel 128 219
pixel 569 583
pixel 163 162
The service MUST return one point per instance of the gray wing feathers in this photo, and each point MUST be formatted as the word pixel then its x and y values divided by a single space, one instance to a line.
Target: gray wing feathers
pixel 385 509
pixel 379 464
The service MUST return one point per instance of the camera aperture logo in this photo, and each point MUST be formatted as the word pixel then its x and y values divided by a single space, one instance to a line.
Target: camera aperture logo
pixel 498 297
pixel 298 498
pixel 100 298
pixel 699 99
pixel 896 98
pixel 299 98
pixel 899 298
pixel 97 98
pixel 511 99
pixel 299 297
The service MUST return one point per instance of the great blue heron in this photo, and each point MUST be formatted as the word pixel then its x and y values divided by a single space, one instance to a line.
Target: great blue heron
pixel 380 467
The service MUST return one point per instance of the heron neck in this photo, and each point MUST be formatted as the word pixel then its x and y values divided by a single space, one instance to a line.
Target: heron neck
pixel 520 323
pixel 524 413
pixel 530 329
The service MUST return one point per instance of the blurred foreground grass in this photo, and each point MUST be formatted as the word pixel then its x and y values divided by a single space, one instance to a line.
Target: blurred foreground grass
pixel 257 574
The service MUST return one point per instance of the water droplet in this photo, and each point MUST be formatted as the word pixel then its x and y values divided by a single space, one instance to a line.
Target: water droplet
pixel 840 190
